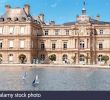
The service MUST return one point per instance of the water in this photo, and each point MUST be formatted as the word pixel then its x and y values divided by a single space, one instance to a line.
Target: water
pixel 66 79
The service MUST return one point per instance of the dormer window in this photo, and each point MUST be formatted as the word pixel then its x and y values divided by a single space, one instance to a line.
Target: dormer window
pixel 9 19
pixel 23 19
pixel 15 19
pixel 1 19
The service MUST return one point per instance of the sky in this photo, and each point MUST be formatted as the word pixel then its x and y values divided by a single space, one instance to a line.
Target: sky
pixel 62 11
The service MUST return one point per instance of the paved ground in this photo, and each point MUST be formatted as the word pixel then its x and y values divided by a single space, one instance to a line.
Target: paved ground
pixel 55 65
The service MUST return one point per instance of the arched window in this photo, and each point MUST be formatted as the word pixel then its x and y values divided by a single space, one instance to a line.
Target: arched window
pixel 42 57
pixel 10 57
pixel 82 58
pixel 22 58
pixel 81 44
pixel 65 57
pixel 100 58
pixel 0 44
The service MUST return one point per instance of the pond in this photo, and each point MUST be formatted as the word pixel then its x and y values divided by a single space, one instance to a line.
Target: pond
pixel 54 79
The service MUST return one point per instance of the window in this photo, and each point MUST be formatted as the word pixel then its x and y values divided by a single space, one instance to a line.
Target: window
pixel 22 30
pixel 10 57
pixel 81 44
pixel 32 44
pixel 0 44
pixel 65 57
pixel 1 30
pixel 100 58
pixel 42 45
pixel 11 44
pixel 21 43
pixel 46 32
pixel 42 57
pixel 11 29
pixel 101 32
pixel 100 46
pixel 75 43
pixel 65 45
pixel 67 32
pixel 53 45
pixel 56 32
pixel 82 58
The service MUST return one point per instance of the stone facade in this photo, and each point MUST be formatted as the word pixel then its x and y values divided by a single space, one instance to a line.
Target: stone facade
pixel 24 38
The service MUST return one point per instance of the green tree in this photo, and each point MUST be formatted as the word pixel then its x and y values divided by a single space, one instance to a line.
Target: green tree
pixel 73 58
pixel 52 57
pixel 105 58
pixel 0 58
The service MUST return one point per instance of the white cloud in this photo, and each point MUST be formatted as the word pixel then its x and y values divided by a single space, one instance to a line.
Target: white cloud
pixel 53 5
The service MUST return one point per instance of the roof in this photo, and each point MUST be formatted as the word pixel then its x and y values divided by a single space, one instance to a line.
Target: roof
pixel 92 21
pixel 69 23
pixel 16 13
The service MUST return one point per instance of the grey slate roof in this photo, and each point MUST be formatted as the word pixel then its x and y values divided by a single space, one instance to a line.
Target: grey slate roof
pixel 69 23
pixel 93 21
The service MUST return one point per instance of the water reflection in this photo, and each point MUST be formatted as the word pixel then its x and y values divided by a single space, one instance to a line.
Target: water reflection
pixel 54 78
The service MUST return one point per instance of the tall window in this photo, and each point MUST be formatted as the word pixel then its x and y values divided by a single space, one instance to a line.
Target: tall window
pixel 42 57
pixel 100 58
pixel 101 31
pixel 65 57
pixel 10 57
pixel 56 32
pixel 65 45
pixel 22 30
pixel 42 45
pixel 0 44
pixel 82 58
pixel 46 32
pixel 81 44
pixel 1 30
pixel 32 44
pixel 53 46
pixel 67 32
pixel 100 46
pixel 10 43
pixel 11 30
pixel 75 43
pixel 21 43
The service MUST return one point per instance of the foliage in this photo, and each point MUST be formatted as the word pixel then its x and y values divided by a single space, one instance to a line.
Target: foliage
pixel 52 57
pixel 105 58
pixel 73 58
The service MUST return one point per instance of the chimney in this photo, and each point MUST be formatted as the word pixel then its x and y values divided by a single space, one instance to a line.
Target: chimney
pixel 7 8
pixel 41 16
pixel 27 8
pixel 98 17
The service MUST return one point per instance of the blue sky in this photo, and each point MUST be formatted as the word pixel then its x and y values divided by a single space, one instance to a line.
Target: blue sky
pixel 62 10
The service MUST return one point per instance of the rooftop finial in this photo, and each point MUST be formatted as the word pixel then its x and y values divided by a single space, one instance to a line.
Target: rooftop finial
pixel 84 8
pixel 84 3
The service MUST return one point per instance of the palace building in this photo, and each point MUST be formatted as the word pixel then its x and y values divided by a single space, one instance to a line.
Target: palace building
pixel 28 39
